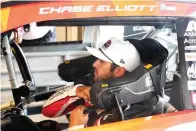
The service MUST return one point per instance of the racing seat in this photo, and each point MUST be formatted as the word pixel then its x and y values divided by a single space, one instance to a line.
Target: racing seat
pixel 153 53
pixel 135 88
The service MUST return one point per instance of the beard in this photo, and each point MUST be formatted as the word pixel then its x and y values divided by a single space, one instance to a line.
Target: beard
pixel 99 77
pixel 96 78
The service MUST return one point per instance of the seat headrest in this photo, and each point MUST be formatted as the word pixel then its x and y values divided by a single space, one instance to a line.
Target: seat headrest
pixel 150 50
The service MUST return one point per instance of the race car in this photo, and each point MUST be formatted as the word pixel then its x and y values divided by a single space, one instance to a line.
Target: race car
pixel 177 82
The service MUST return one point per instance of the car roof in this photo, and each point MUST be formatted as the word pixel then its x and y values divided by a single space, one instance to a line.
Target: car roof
pixel 19 15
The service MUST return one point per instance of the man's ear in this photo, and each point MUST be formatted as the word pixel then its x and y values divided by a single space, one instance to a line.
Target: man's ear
pixel 119 71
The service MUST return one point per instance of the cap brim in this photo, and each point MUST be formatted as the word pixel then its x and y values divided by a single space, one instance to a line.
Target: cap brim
pixel 98 54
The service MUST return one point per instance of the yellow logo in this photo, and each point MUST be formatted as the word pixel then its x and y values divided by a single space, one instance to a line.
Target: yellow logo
pixel 148 66
pixel 67 62
pixel 104 85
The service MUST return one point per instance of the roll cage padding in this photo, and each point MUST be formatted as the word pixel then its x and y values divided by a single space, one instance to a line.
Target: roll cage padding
pixel 150 50
pixel 78 70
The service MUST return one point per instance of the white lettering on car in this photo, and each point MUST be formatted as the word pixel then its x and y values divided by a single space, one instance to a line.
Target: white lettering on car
pixel 191 41
pixel 152 7
pixel 191 26
pixel 51 10
pixel 99 8
pixel 119 9
pixel 131 8
pixel 191 71
pixel 125 8
pixel 66 8
pixel 57 10
pixel 44 10
pixel 87 8
pixel 77 9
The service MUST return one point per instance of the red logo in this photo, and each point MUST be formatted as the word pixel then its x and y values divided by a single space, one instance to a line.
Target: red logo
pixel 107 44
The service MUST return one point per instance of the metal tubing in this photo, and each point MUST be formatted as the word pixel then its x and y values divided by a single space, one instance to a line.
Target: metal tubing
pixel 8 58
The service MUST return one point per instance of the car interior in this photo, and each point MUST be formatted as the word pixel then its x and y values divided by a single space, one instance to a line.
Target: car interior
pixel 151 51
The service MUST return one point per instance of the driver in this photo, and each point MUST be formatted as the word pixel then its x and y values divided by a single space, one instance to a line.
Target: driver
pixel 115 58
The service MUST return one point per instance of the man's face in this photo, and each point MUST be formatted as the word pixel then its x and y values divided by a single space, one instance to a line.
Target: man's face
pixel 102 70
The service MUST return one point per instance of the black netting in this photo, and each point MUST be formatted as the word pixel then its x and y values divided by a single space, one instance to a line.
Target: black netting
pixel 137 91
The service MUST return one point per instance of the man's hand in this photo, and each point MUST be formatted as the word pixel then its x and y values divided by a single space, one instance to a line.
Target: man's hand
pixel 77 117
pixel 83 92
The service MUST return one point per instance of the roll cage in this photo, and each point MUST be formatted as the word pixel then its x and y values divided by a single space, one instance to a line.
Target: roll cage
pixel 152 21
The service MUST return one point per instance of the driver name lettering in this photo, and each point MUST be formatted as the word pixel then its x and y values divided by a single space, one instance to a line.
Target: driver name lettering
pixel 99 8
pixel 51 10
pixel 126 8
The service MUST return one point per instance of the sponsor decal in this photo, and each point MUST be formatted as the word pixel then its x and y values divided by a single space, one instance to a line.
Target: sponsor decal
pixel 194 98
pixel 191 71
pixel 190 34
pixel 191 26
pixel 167 7
pixel 190 56
pixel 190 47
pixel 99 8
pixel 104 85
pixel 192 85
pixel 191 29
pixel 190 41
pixel 187 34
pixel 149 81
pixel 107 44
pixel 122 61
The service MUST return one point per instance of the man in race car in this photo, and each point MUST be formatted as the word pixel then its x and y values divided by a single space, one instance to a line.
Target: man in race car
pixel 116 59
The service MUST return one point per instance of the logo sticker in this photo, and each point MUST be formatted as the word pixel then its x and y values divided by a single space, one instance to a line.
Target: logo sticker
pixel 104 85
pixel 190 47
pixel 192 85
pixel 107 44
pixel 191 71
pixel 191 26
pixel 190 56
pixel 122 61
pixel 191 29
pixel 167 7
pixel 149 82
pixel 190 41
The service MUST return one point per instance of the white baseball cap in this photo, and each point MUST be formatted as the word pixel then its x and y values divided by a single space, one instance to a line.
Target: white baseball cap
pixel 117 51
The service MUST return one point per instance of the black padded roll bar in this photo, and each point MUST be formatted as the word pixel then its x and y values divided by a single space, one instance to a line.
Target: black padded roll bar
pixel 23 66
